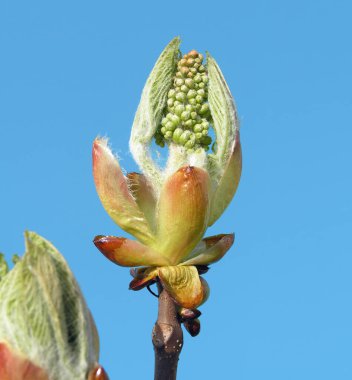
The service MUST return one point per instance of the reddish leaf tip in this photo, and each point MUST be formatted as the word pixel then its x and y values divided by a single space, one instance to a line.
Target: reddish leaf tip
pixel 108 244
pixel 98 373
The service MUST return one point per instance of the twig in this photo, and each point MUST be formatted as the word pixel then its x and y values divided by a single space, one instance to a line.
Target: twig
pixel 167 338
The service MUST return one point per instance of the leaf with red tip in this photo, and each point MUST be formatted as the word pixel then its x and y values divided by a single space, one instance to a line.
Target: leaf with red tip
pixel 128 253
pixel 143 194
pixel 114 193
pixel 141 272
pixel 210 250
pixel 17 367
pixel 143 277
pixel 184 285
pixel 182 212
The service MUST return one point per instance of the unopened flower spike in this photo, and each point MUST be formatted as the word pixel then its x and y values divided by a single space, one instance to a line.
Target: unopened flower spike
pixel 46 330
pixel 186 106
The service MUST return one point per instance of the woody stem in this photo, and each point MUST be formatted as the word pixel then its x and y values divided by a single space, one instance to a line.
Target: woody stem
pixel 167 338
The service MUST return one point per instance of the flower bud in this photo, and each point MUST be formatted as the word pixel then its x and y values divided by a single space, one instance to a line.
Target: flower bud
pixel 187 92
pixel 186 105
pixel 182 101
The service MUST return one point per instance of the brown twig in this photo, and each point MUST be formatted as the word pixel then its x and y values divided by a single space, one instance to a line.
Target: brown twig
pixel 167 338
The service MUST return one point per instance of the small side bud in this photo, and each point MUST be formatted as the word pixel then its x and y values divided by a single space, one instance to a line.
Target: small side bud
pixel 192 326
pixel 202 269
pixel 187 314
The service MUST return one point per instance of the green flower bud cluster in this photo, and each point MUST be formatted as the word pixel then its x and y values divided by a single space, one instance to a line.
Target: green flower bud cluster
pixel 187 117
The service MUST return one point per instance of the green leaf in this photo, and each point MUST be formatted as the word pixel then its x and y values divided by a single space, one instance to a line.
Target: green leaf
pixel 210 250
pixel 4 268
pixel 43 315
pixel 15 259
pixel 224 114
pixel 150 110
pixel 184 285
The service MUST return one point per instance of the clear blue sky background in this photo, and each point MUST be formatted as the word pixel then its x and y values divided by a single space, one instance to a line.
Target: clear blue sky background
pixel 280 307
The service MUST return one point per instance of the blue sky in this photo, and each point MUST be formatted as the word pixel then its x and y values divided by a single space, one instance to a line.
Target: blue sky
pixel 280 306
